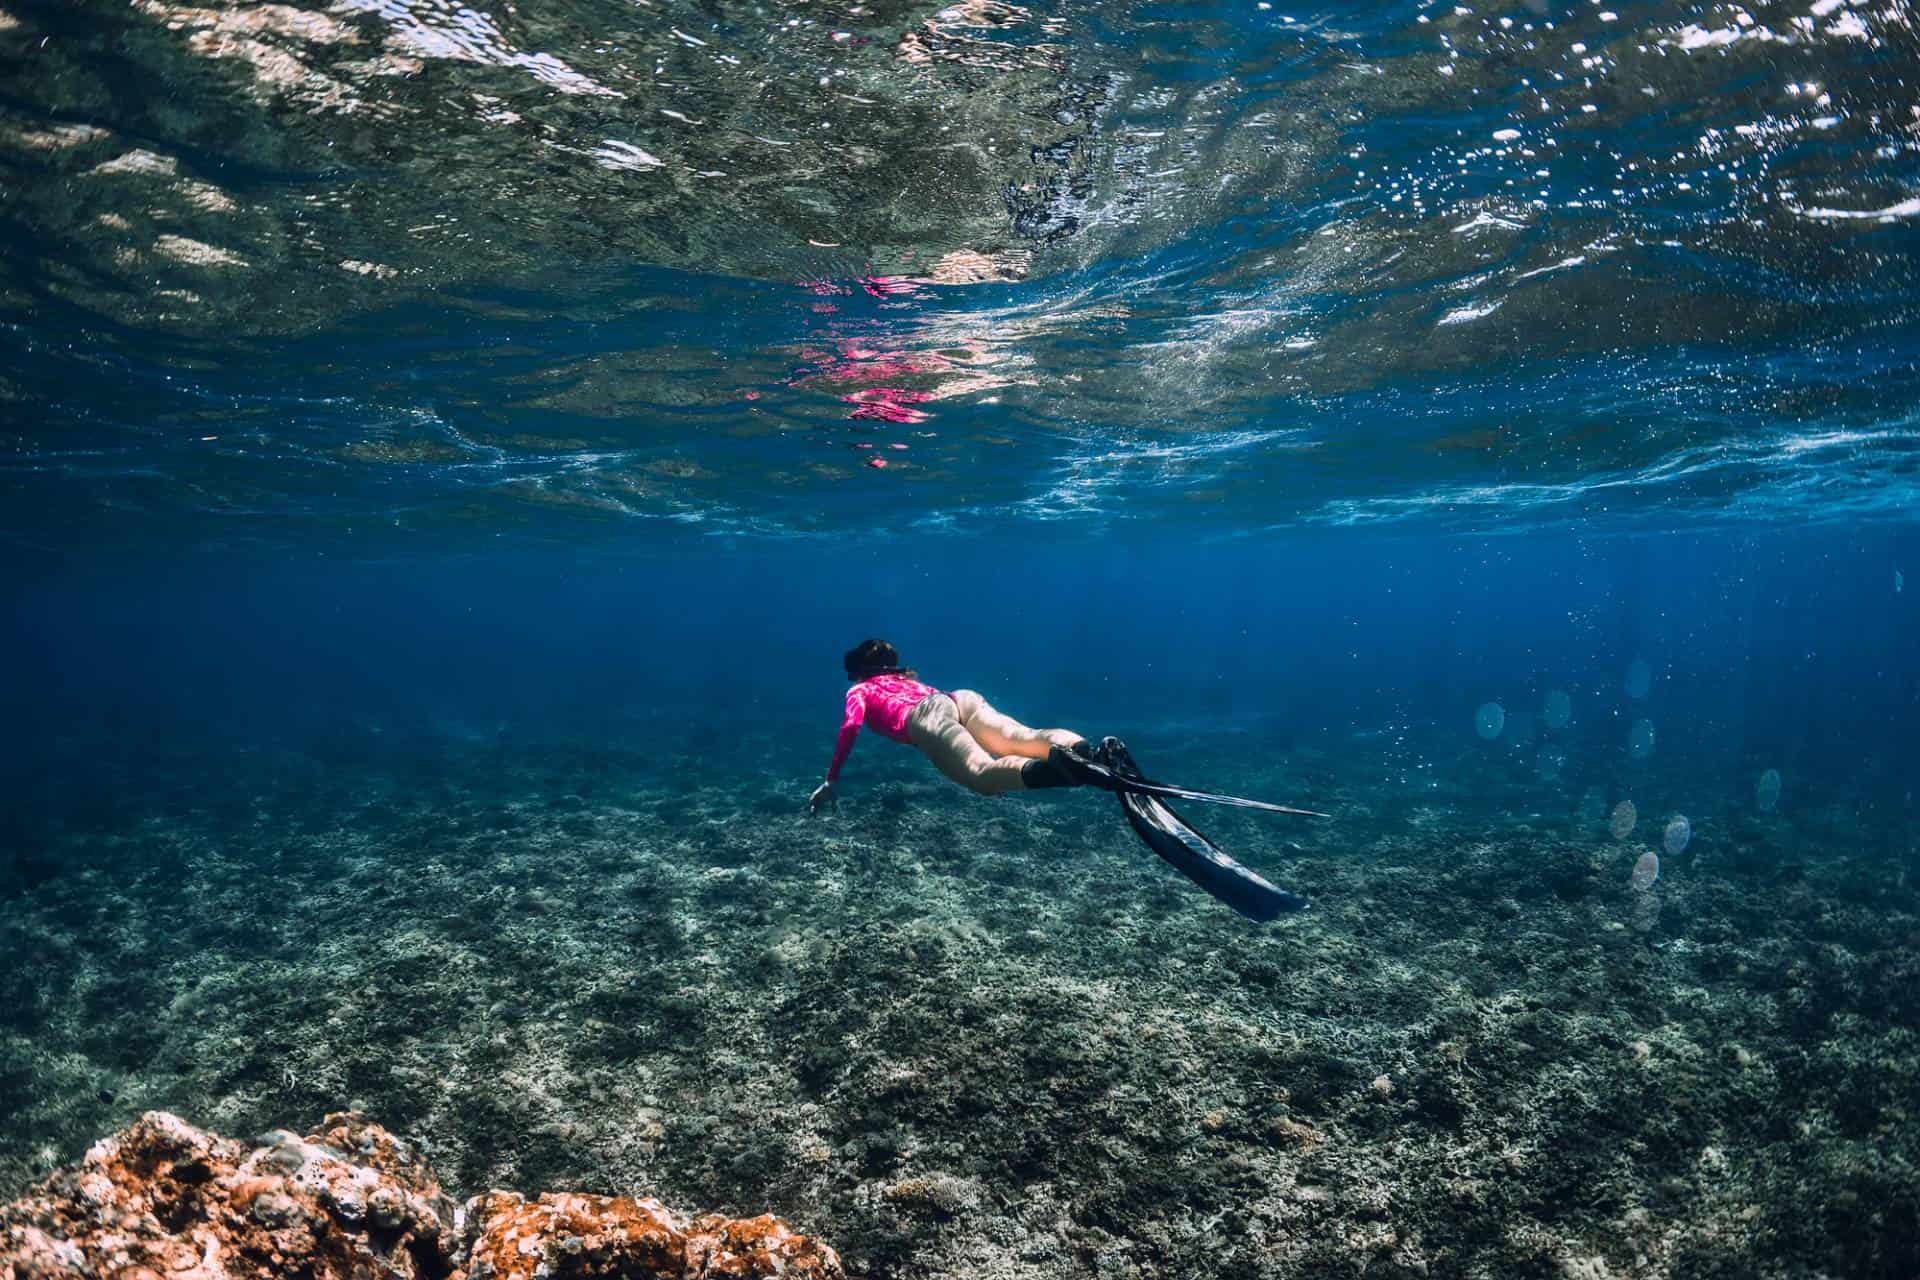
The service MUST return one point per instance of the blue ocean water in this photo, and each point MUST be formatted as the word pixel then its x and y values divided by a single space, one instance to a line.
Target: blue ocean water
pixel 1479 422
pixel 1780 649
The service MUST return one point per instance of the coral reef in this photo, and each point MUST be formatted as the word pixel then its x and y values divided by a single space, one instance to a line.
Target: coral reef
pixel 351 1202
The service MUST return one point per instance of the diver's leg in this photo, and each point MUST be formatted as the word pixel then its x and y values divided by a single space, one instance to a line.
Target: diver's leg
pixel 1001 734
pixel 935 728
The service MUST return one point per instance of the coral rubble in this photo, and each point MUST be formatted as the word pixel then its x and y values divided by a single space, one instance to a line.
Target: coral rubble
pixel 964 1040
pixel 162 1198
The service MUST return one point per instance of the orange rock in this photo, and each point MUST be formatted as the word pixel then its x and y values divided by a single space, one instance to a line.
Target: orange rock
pixel 352 1202
pixel 753 1247
pixel 564 1235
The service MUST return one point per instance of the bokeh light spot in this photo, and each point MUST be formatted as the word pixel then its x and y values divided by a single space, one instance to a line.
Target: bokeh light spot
pixel 1639 679
pixel 1549 762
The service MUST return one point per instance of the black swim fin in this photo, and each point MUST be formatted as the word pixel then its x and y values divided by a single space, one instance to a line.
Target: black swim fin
pixel 1191 853
pixel 1088 767
pixel 1145 788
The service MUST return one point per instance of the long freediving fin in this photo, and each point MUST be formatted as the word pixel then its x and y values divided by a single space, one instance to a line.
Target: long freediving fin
pixel 1192 854
pixel 1145 788
pixel 1129 779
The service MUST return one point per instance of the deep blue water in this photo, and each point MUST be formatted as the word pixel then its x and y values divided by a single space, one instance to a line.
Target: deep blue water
pixel 1784 650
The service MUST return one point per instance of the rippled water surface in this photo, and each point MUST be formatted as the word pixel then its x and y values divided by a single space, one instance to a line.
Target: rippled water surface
pixel 401 270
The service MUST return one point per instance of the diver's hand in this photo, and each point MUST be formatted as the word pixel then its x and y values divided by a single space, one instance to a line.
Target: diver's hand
pixel 823 795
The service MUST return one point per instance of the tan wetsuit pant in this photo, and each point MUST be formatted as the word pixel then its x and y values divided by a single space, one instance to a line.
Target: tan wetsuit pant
pixel 976 746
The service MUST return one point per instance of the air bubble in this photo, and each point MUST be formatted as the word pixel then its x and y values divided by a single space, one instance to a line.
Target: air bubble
pixel 1675 837
pixel 1489 720
pixel 1625 816
pixel 1640 739
pixel 1639 679
pixel 1556 710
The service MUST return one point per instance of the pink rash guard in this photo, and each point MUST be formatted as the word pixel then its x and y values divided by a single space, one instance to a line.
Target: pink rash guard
pixel 883 704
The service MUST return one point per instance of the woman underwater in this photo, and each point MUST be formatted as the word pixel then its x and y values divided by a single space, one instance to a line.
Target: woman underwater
pixel 976 746
pixel 991 753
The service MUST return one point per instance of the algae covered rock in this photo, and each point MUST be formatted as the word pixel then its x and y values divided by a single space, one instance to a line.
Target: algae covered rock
pixel 162 1198
pixel 568 1235
pixel 562 1235
pixel 166 1198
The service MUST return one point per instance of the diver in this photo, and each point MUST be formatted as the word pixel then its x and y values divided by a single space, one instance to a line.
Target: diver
pixel 989 752
pixel 982 749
